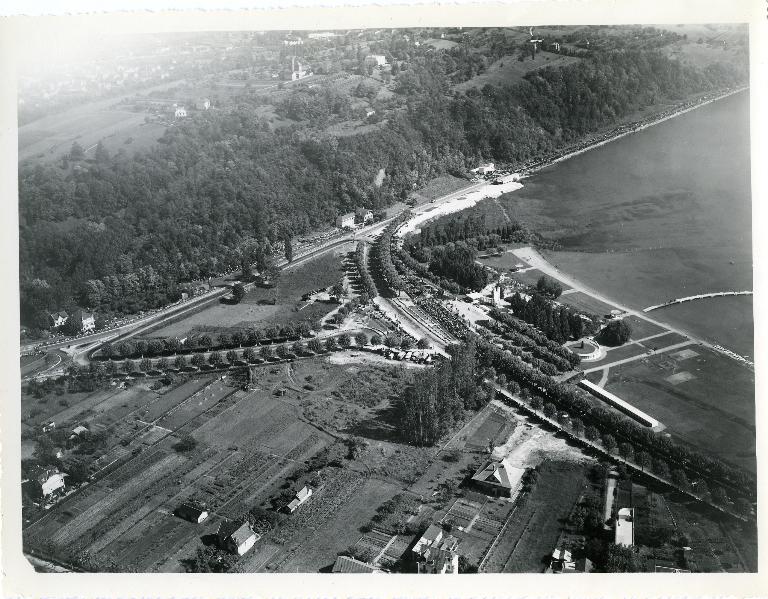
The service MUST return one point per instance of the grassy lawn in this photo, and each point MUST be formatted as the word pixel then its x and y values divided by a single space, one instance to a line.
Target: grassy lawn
pixel 642 328
pixel 509 70
pixel 711 406
pixel 442 185
pixel 255 309
pixel 587 303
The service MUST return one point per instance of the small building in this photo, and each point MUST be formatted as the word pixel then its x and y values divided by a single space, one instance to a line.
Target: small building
pixel 484 169
pixel 58 319
pixel 625 529
pixel 50 480
pixel 498 478
pixel 349 565
pixel 378 60
pixel 179 112
pixel 49 426
pixel 298 499
pixel 293 40
pixel 562 561
pixel 191 512
pixel 85 322
pixel 431 536
pixel 203 104
pixel 236 537
pixel 79 431
pixel 346 221
pixel 364 215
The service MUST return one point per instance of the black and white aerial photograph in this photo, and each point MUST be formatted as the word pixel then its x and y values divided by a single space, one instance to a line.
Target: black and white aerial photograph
pixel 412 300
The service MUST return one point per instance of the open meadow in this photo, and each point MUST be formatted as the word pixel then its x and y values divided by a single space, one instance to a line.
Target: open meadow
pixel 257 309
pixel 704 398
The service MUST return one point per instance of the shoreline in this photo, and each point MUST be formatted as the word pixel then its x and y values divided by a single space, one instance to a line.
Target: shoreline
pixel 539 261
pixel 630 128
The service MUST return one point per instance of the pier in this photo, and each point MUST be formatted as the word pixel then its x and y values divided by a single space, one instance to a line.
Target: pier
pixel 690 298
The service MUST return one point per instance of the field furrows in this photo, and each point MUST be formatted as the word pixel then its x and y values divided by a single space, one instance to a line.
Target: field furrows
pixel 155 497
pixel 78 526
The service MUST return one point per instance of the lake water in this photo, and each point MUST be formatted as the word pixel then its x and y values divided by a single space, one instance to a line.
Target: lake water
pixel 660 214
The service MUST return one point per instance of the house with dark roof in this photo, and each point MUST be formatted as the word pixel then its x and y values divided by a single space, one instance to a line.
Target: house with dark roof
pixel 191 512
pixel 236 537
pixel 349 565
pixel 498 478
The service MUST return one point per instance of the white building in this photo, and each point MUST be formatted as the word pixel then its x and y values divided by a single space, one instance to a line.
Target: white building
pixel 625 528
pixel 180 112
pixel 436 553
pixel 299 499
pixel 484 169
pixel 378 60
pixel 236 537
pixel 203 104
pixel 346 221
pixel 364 215
pixel 50 481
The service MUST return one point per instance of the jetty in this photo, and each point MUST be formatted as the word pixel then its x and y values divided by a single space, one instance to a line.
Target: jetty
pixel 690 298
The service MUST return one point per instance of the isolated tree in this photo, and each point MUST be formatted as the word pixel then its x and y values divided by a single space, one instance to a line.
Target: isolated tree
pixel 550 410
pixel 298 348
pixel 162 364
pixel 406 343
pixel 344 341
pixel 577 426
pixel 361 339
pixel 180 362
pixel 549 287
pixel 375 339
pixel 330 344
pixel 205 342
pixel 423 343
pixel 231 356
pixel 224 340
pixel 616 332
pixel 266 352
pixel 282 351
pixel 238 292
pixel 249 354
pixel 288 248
pixel 591 433
pixel 315 345
pixel 214 359
pixel 391 340
pixel 198 360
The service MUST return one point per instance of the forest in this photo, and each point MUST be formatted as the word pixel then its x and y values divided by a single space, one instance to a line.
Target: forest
pixel 117 233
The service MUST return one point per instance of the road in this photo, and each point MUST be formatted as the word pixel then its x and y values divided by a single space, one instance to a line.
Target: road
pixel 140 324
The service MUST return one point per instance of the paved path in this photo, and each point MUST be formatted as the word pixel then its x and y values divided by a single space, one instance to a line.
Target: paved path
pixel 642 356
